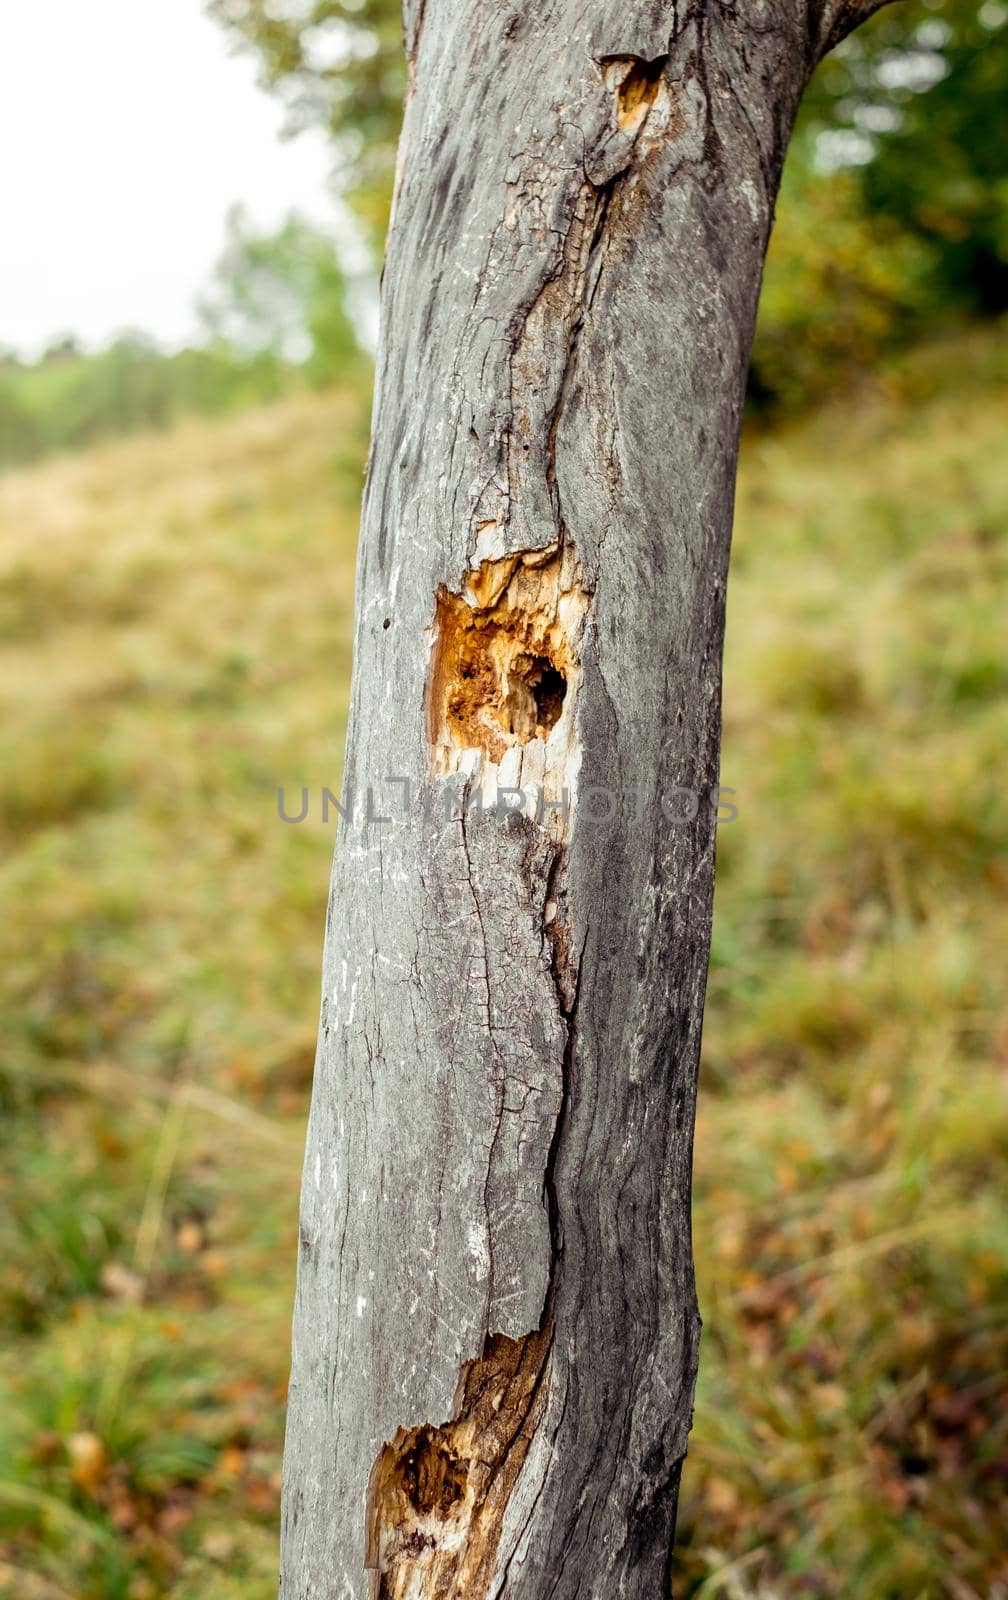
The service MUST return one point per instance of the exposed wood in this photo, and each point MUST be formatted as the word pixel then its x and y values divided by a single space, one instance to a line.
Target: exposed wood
pixel 438 1495
pixel 496 1194
pixel 506 671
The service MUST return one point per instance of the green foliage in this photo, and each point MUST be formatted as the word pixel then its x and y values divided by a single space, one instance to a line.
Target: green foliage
pixel 893 213
pixel 923 93
pixel 841 287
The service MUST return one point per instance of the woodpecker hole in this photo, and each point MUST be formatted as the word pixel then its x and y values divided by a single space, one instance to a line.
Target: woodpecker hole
pixel 505 655
pixel 634 83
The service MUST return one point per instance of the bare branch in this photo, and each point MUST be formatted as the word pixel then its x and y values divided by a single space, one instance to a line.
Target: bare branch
pixel 838 18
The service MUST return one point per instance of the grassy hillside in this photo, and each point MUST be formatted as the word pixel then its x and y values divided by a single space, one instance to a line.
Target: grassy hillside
pixel 175 619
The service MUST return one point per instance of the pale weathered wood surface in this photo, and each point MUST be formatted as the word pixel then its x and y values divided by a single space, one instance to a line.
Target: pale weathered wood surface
pixel 501 1130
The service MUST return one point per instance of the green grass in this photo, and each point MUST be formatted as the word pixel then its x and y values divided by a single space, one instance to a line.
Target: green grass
pixel 175 617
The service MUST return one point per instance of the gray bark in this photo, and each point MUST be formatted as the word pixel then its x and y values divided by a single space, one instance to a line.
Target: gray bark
pixel 496 1332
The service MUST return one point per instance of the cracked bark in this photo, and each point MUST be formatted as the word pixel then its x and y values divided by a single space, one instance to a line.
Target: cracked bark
pixel 496 1332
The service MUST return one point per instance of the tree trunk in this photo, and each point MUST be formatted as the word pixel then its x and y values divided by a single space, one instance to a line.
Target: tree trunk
pixel 496 1332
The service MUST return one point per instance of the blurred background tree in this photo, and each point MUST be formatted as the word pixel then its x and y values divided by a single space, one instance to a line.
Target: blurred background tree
pixel 894 210
pixel 919 108
pixel 893 215
pixel 338 64
pixel 70 397
pixel 282 295
pixel 275 318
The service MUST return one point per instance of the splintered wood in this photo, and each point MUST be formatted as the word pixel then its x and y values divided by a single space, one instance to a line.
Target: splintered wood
pixel 438 1494
pixel 505 668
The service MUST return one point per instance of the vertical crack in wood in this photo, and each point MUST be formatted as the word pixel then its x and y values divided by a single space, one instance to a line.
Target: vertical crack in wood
pixel 566 970
pixel 504 674
pixel 644 113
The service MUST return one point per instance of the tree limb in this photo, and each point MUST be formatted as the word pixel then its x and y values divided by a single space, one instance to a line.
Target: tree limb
pixel 838 18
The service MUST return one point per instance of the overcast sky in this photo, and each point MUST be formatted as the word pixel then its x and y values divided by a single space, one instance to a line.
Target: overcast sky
pixel 127 129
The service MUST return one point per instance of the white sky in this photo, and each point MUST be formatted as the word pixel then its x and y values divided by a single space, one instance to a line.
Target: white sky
pixel 127 129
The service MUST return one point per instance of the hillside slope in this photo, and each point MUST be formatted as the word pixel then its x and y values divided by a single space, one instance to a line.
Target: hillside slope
pixel 175 618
